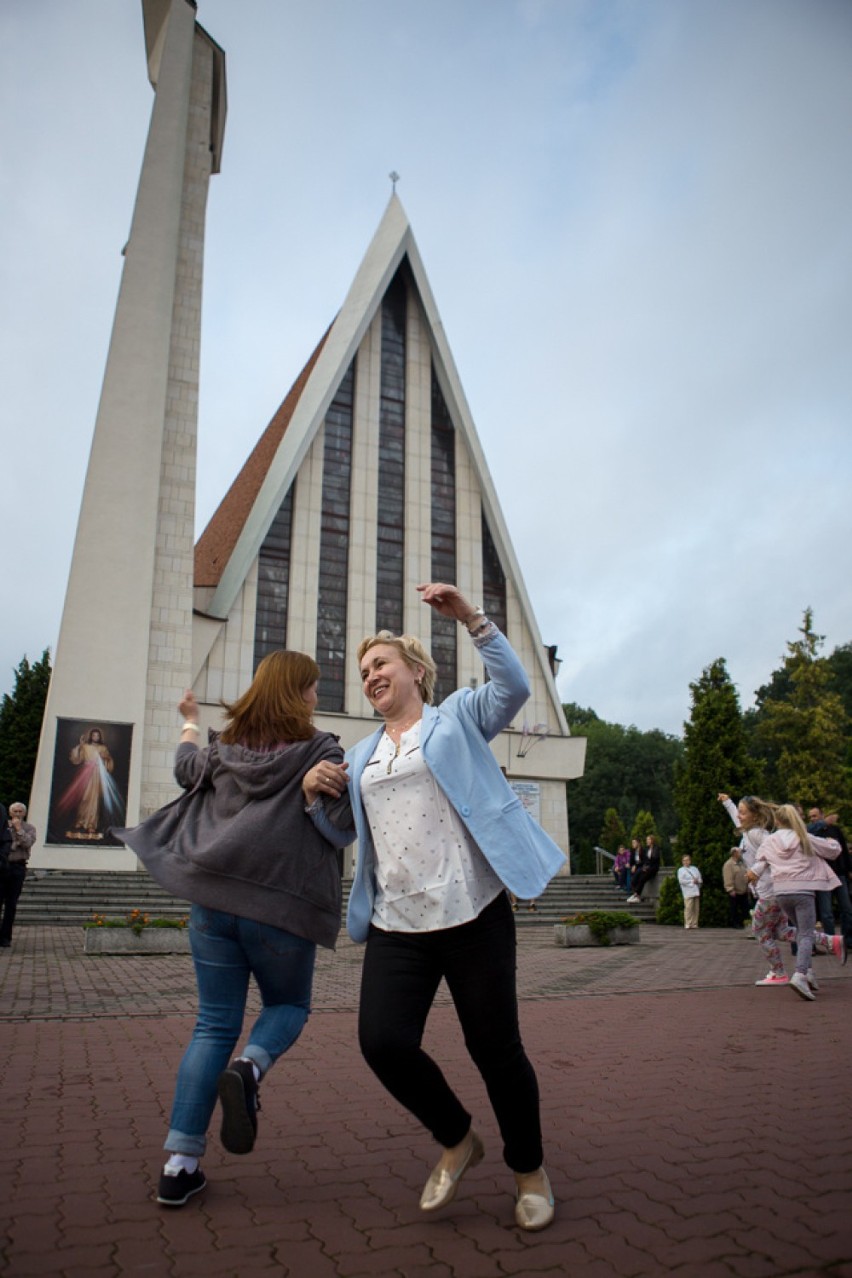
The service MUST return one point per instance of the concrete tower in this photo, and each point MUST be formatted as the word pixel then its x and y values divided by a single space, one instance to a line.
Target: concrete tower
pixel 125 645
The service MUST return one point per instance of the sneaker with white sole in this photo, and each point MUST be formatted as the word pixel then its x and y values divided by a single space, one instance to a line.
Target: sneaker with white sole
pixel 774 978
pixel 838 948
pixel 811 979
pixel 799 983
pixel 176 1189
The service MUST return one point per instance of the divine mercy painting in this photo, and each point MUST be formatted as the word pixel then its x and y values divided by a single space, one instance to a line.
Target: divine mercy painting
pixel 91 767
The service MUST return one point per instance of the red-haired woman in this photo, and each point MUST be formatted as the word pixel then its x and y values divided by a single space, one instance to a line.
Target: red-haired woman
pixel 265 890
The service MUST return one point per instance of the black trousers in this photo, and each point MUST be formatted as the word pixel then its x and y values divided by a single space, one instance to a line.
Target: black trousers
pixel 401 974
pixel 11 883
pixel 738 907
pixel 642 876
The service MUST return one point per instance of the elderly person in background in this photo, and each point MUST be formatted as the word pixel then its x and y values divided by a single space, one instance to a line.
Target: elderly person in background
pixel 735 882
pixel 689 879
pixel 22 836
pixel 441 834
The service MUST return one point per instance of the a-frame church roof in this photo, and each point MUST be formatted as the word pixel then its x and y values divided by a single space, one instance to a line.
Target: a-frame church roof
pixel 232 539
pixel 216 544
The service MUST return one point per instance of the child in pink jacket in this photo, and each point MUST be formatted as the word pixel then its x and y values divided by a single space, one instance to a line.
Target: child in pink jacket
pixel 797 862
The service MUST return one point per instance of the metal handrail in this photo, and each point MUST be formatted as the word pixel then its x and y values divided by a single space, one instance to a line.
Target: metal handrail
pixel 600 853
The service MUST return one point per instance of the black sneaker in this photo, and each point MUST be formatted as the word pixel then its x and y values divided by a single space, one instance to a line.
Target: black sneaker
pixel 174 1191
pixel 237 1088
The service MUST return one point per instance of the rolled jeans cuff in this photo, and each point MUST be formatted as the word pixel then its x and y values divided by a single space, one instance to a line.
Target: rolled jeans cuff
pixel 180 1143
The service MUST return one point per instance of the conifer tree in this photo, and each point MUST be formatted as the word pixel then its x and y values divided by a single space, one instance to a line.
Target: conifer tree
pixel 21 714
pixel 715 759
pixel 805 729
pixel 643 825
pixel 613 834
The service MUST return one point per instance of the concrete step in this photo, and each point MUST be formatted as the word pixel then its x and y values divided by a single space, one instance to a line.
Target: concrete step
pixel 68 898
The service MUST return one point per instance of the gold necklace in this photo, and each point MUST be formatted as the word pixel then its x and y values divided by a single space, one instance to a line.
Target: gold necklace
pixel 401 731
pixel 398 744
pixel 392 760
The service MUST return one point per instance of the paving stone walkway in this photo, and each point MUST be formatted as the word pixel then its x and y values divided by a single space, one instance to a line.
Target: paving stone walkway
pixel 695 1125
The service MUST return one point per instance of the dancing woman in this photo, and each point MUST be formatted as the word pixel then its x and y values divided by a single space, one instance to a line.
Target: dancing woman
pixel 441 834
pixel 265 891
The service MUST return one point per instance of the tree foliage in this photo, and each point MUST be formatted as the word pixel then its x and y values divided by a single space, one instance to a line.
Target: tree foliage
pixel 21 714
pixel 613 834
pixel 715 758
pixel 627 770
pixel 803 727
pixel 644 825
pixel 796 744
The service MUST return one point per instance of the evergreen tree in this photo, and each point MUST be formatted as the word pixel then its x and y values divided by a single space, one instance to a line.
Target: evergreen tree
pixel 840 665
pixel 716 758
pixel 613 834
pixel 805 731
pixel 21 714
pixel 643 825
pixel 625 769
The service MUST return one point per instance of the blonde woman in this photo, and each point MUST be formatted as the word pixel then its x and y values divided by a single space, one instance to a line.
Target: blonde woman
pixel 441 835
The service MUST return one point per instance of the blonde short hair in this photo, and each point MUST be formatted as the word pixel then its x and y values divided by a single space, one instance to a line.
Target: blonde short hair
pixel 413 654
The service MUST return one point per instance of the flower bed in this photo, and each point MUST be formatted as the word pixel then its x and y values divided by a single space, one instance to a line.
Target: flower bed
pixel 136 933
pixel 597 927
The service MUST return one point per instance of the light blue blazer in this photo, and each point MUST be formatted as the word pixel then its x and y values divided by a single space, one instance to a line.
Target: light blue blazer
pixel 454 744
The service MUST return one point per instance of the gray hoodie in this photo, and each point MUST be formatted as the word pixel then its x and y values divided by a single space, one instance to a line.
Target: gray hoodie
pixel 239 840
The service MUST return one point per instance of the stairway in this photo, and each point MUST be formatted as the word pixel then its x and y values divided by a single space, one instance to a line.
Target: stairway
pixel 69 898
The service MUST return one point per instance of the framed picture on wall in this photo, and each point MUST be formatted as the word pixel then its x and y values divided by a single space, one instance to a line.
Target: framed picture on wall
pixel 88 792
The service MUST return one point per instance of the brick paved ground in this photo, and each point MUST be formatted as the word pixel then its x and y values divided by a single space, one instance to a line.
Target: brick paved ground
pixel 658 1064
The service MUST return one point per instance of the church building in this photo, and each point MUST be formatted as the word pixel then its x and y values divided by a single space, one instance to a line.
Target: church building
pixel 369 480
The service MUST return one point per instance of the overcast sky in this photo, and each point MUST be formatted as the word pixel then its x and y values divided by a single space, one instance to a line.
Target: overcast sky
pixel 637 223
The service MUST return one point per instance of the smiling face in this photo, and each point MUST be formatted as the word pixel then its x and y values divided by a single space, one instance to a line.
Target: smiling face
pixel 390 684
pixel 745 815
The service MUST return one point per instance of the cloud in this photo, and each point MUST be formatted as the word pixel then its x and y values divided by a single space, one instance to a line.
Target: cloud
pixel 636 221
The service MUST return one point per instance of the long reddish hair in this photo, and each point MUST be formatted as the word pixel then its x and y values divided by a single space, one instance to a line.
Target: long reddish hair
pixel 273 710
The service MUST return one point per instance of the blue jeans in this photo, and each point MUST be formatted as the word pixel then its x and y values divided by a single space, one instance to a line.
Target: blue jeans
pixel 825 910
pixel 227 950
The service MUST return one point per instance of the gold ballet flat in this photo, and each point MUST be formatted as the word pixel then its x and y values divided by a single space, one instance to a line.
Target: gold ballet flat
pixel 442 1184
pixel 535 1211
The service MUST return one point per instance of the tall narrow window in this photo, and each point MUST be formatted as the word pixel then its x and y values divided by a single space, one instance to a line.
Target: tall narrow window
pixel 273 583
pixel 444 631
pixel 334 546
pixel 493 580
pixel 390 532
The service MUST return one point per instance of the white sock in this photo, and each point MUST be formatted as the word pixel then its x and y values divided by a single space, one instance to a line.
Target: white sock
pixel 254 1065
pixel 180 1162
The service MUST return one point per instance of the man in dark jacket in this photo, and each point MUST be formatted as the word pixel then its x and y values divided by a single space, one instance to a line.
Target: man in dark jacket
pixel 825 827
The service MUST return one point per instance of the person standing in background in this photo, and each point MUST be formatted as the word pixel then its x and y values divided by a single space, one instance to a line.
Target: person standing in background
pixel 689 878
pixel 735 881
pixel 22 836
pixel 826 827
